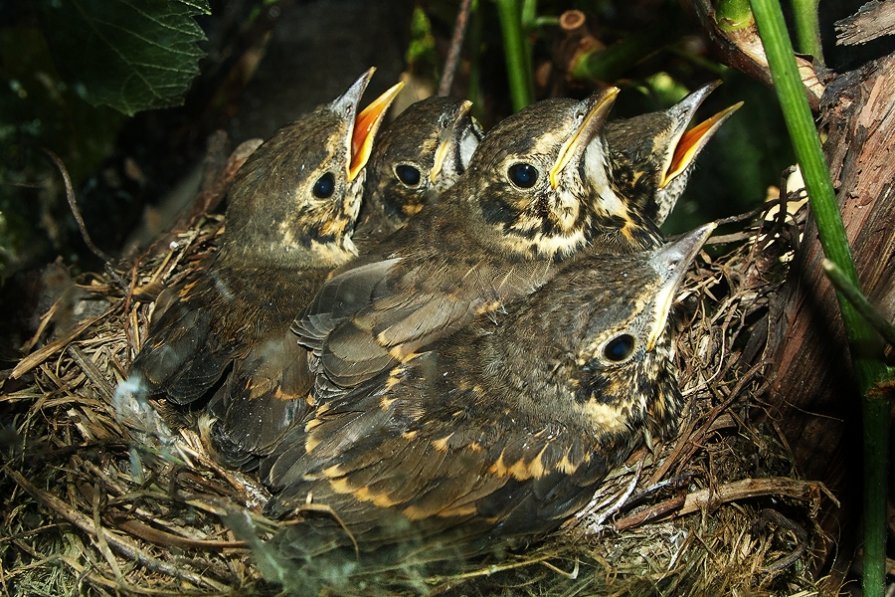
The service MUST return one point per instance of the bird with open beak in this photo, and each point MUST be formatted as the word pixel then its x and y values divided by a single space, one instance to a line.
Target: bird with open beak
pixel 417 156
pixel 650 157
pixel 290 215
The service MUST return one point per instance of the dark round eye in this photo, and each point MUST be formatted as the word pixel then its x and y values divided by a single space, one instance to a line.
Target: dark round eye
pixel 523 175
pixel 325 186
pixel 409 175
pixel 619 348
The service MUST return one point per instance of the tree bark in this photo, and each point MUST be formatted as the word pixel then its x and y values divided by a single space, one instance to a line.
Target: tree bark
pixel 813 389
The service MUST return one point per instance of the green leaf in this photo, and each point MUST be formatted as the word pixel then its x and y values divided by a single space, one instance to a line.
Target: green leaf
pixel 131 55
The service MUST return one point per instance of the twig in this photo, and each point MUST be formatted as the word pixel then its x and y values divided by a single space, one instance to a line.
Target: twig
pixel 573 575
pixel 73 205
pixel 39 356
pixel 491 570
pixel 729 492
pixel 768 516
pixel 92 372
pixel 166 539
pixel 453 57
pixel 116 542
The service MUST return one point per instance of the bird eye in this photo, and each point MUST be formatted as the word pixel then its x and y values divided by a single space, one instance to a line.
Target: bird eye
pixel 523 175
pixel 407 174
pixel 619 348
pixel 325 186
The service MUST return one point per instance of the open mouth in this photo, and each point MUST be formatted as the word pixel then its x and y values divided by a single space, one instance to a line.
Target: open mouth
pixel 365 126
pixel 693 140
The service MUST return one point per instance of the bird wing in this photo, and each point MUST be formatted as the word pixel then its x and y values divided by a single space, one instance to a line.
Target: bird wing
pixel 370 318
pixel 396 467
pixel 183 357
pixel 264 394
pixel 269 383
pixel 368 468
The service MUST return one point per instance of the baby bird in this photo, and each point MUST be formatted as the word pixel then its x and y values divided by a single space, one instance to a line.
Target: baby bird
pixel 497 434
pixel 289 219
pixel 650 156
pixel 416 157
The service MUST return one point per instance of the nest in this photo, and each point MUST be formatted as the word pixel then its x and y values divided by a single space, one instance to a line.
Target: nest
pixel 101 500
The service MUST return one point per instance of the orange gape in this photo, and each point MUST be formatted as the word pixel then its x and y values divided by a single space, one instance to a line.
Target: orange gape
pixel 365 128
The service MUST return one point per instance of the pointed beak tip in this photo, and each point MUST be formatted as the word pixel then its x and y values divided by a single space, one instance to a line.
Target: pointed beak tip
pixel 735 107
pixel 698 238
pixel 368 74
pixel 360 85
pixel 706 231
pixel 605 101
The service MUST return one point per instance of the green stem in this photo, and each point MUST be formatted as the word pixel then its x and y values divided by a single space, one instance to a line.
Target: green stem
pixel 859 301
pixel 540 22
pixel 610 63
pixel 876 412
pixel 807 27
pixel 732 15
pixel 868 368
pixel 514 46
pixel 529 14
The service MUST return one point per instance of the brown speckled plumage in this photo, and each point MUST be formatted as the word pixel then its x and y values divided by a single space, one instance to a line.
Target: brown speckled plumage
pixel 498 433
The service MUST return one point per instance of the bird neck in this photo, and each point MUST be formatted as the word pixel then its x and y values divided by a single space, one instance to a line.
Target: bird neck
pixel 299 254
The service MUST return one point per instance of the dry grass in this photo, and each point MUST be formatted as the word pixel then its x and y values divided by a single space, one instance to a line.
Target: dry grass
pixel 102 500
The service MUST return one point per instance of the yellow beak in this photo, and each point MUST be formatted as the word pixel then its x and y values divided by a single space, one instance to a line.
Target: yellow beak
pixel 576 144
pixel 693 141
pixel 365 126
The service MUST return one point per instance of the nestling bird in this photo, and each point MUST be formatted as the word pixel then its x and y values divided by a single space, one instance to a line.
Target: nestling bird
pixel 650 156
pixel 522 207
pixel 498 433
pixel 291 211
pixel 418 155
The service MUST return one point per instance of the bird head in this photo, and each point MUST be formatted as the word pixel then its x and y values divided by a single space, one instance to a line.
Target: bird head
pixel 299 192
pixel 526 181
pixel 601 331
pixel 420 153
pixel 651 156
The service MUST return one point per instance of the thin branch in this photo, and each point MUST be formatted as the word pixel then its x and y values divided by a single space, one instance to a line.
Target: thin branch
pixel 73 205
pixel 712 497
pixel 453 57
